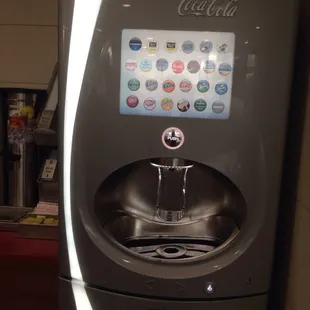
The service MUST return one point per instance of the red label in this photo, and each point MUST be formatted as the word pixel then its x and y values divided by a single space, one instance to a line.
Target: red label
pixel 178 67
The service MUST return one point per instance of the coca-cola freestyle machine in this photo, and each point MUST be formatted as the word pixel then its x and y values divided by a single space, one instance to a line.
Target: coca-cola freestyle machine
pixel 173 120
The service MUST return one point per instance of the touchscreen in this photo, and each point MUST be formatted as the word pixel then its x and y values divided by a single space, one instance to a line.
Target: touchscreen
pixel 176 73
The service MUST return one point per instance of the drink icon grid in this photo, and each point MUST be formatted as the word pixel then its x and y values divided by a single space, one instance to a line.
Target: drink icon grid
pixel 176 74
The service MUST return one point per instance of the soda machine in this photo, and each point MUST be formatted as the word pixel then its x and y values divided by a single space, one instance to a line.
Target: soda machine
pixel 173 120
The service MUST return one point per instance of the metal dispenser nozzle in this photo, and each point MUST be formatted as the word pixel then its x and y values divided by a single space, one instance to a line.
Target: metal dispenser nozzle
pixel 171 190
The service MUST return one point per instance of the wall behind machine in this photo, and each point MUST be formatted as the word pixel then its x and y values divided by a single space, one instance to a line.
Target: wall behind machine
pixel 298 297
pixel 29 35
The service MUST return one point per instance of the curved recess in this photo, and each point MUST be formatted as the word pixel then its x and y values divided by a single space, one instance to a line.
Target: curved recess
pixel 169 209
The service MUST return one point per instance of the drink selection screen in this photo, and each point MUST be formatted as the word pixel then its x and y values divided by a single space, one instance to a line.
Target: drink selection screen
pixel 176 73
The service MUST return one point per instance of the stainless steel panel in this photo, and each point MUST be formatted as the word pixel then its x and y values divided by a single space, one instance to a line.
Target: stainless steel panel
pixel 22 175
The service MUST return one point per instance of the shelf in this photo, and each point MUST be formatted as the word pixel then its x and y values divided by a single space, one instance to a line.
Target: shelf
pixel 9 217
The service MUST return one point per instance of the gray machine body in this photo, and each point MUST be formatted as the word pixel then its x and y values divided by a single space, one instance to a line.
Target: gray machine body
pixel 247 149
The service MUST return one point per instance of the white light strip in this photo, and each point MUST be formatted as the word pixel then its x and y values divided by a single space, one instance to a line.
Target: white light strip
pixel 85 15
pixel 80 296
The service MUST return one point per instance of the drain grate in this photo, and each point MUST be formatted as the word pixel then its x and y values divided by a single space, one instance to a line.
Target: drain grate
pixel 171 248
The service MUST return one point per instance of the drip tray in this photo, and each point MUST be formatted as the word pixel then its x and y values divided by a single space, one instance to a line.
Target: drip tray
pixel 164 241
pixel 169 247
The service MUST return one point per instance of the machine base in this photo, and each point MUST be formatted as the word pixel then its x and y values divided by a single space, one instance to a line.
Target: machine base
pixel 74 296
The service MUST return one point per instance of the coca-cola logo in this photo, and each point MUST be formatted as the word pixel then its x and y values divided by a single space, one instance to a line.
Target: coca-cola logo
pixel 210 8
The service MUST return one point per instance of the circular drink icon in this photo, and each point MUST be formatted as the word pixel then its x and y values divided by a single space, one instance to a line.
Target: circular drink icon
pixel 167 104
pixel 146 65
pixel 162 64
pixel 200 105
pixel 203 86
pixel 135 44
pixel 171 46
pixel 221 88
pixel 151 84
pixel 188 47
pixel 132 101
pixel 152 46
pixel 225 69
pixel 169 86
pixel 183 105
pixel 223 48
pixel 209 66
pixel 206 46
pixel 193 66
pixel 186 86
pixel 131 65
pixel 173 138
pixel 218 107
pixel 178 67
pixel 134 84
pixel 149 104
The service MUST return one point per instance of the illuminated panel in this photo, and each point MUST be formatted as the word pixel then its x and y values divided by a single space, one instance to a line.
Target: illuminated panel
pixel 85 15
pixel 176 73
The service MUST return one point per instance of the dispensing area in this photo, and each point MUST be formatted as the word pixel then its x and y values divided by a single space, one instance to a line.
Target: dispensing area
pixel 170 209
